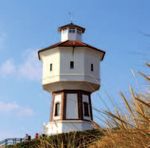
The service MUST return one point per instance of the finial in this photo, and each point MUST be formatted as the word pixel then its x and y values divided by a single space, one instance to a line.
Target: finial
pixel 70 17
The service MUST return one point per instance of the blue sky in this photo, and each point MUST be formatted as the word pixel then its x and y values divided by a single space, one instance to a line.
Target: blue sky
pixel 121 28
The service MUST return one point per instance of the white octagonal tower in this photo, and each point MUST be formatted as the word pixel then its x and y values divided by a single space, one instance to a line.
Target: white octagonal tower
pixel 71 73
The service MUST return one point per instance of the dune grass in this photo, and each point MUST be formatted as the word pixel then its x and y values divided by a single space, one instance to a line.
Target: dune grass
pixel 66 140
pixel 125 128
pixel 133 126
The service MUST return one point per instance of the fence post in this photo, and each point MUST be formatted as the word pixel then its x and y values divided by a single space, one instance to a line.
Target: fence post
pixel 21 140
pixel 14 142
pixel 6 142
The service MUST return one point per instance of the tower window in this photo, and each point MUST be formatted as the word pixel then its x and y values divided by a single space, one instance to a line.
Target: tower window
pixel 71 64
pixel 57 109
pixel 51 67
pixel 78 31
pixel 71 30
pixel 92 67
pixel 65 30
pixel 86 109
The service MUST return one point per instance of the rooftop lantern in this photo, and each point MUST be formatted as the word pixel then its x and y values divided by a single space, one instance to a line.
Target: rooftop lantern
pixel 71 32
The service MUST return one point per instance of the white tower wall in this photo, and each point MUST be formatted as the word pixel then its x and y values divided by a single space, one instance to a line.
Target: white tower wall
pixel 60 59
pixel 92 57
pixel 66 126
pixel 64 35
pixel 72 106
pixel 77 56
pixel 67 35
pixel 51 57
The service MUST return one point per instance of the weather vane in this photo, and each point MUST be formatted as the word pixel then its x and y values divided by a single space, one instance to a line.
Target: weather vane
pixel 70 17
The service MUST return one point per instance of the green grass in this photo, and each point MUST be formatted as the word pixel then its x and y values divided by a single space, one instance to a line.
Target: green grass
pixel 68 140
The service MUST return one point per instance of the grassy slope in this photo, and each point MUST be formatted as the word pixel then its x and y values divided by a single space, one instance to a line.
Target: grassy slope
pixel 69 140
pixel 125 130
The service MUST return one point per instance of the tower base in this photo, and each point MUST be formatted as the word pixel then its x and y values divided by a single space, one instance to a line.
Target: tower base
pixel 58 127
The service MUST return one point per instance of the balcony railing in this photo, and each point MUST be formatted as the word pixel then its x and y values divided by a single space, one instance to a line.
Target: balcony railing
pixel 11 141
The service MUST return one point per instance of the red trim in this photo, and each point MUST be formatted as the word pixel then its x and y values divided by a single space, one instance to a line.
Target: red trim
pixel 80 106
pixel 64 106
pixel 90 104
pixel 52 107
pixel 63 93
pixel 73 120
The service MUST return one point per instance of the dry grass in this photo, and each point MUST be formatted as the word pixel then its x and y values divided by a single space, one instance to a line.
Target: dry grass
pixel 126 128
pixel 67 140
pixel 133 126
pixel 123 139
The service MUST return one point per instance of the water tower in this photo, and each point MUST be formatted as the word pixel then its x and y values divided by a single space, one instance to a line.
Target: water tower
pixel 71 72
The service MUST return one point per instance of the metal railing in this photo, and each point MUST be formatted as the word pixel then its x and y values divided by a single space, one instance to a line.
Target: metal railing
pixel 11 141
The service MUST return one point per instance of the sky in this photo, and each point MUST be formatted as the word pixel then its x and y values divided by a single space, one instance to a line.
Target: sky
pixel 121 28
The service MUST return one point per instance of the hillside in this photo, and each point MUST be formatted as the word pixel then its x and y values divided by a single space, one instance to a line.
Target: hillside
pixel 129 129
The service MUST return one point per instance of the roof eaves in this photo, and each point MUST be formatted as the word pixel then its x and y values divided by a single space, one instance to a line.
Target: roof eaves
pixel 50 47
pixel 71 25
pixel 62 44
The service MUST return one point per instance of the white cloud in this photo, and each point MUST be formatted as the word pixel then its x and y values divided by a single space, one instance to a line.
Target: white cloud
pixel 15 109
pixel 25 112
pixel 29 68
pixel 7 107
pixel 7 68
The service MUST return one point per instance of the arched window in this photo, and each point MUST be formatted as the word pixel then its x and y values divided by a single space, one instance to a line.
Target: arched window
pixel 57 109
pixel 86 109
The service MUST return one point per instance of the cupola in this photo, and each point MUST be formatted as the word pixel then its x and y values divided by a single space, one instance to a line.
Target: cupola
pixel 71 32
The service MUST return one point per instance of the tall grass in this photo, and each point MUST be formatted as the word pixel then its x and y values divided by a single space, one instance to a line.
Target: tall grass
pixel 130 129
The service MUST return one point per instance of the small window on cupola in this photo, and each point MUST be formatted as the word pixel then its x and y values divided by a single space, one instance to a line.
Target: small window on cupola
pixel 71 30
pixel 79 32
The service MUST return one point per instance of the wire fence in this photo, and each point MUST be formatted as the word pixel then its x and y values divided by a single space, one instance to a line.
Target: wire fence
pixel 11 141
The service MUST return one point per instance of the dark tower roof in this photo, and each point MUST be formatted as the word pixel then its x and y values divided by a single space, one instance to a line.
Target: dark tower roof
pixel 71 25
